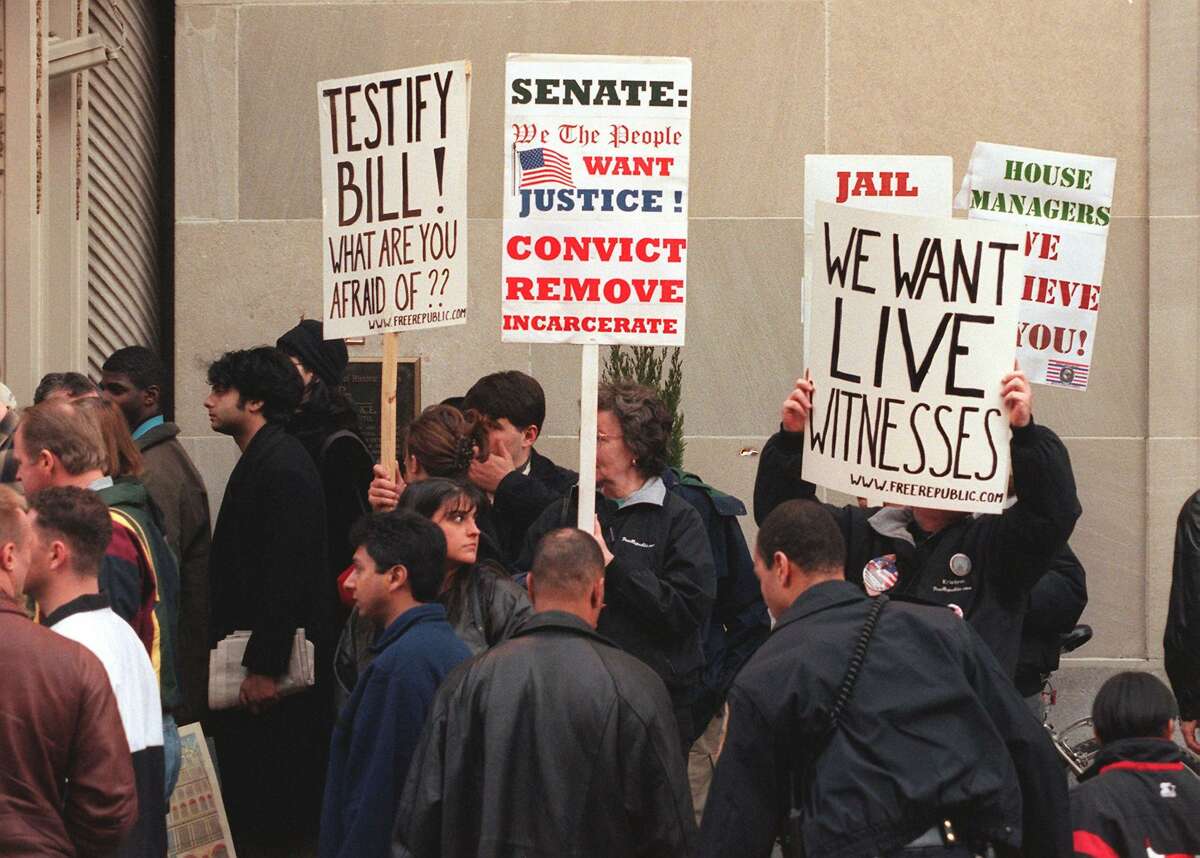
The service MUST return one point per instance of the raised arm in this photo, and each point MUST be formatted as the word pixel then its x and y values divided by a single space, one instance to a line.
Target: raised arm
pixel 778 478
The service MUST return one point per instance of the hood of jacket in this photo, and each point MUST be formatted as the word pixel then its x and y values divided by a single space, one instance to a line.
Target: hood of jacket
pixel 160 433
pixel 1137 754
pixel 127 491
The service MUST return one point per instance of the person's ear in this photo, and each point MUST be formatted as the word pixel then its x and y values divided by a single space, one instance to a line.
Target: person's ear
pixel 529 435
pixel 60 555
pixel 596 601
pixel 1169 732
pixel 529 587
pixel 45 460
pixel 781 568
pixel 150 396
pixel 397 578
pixel 8 556
pixel 254 406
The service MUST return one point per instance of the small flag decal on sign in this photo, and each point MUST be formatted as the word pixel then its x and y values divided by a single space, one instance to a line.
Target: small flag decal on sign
pixel 1067 374
pixel 544 167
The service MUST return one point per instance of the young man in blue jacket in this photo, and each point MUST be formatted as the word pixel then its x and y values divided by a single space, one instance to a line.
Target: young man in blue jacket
pixel 399 564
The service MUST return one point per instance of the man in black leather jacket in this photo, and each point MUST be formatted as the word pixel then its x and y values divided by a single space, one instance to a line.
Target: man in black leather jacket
pixel 552 743
pixel 932 731
pixel 1181 640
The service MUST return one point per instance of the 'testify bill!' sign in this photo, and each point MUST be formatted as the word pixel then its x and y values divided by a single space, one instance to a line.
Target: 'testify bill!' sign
pixel 394 199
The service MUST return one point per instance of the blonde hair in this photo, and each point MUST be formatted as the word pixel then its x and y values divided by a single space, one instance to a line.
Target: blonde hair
pixel 12 506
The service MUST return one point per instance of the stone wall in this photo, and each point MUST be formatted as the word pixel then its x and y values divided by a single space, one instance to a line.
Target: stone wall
pixel 854 76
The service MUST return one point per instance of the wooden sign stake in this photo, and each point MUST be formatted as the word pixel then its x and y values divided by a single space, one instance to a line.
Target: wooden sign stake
pixel 589 384
pixel 387 402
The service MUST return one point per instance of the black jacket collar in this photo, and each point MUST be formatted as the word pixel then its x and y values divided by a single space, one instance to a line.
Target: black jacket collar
pixel 819 597
pixel 1140 754
pixel 78 605
pixel 559 621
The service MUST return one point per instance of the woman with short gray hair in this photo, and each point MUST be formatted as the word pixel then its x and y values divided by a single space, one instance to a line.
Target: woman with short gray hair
pixel 659 575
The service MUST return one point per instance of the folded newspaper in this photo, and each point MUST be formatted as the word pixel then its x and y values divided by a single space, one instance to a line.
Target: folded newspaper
pixel 225 671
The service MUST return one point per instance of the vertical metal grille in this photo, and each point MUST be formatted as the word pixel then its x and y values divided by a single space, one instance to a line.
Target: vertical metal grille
pixel 123 168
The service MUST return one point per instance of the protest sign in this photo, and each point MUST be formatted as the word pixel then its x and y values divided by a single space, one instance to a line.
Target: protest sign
pixel 595 212
pixel 912 333
pixel 196 823
pixel 595 199
pixel 1063 201
pixel 904 184
pixel 394 200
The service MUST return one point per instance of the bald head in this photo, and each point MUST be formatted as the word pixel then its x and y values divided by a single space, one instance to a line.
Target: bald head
pixel 568 574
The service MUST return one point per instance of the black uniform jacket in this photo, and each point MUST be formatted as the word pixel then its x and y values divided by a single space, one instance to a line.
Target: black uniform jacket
pixel 521 498
pixel 553 743
pixel 1137 799
pixel 659 587
pixel 1055 606
pixel 267 564
pixel 1181 641
pixel 986 564
pixel 933 730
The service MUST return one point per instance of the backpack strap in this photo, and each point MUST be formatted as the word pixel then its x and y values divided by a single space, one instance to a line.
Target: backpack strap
pixel 793 846
pixel 334 436
pixel 363 506
pixel 119 516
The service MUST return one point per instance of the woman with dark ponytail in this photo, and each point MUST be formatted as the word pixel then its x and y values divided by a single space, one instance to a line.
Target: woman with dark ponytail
pixel 441 442
pixel 482 601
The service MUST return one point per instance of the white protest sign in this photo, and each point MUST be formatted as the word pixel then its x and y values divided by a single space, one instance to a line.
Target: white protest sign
pixel 903 184
pixel 595 199
pixel 912 334
pixel 1063 201
pixel 394 200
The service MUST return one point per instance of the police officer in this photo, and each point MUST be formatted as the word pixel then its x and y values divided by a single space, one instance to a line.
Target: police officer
pixel 931 750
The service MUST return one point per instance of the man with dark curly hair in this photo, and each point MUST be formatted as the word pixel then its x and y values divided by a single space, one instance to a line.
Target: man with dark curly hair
pixel 266 569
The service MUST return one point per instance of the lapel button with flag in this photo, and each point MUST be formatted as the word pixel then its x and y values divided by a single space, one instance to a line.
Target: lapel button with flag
pixel 544 167
pixel 1067 374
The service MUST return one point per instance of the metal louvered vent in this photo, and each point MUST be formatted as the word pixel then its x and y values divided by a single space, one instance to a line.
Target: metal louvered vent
pixel 123 187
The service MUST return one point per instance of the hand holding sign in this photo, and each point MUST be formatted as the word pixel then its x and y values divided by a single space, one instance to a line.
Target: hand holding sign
pixel 598 535
pixel 385 490
pixel 1017 394
pixel 797 406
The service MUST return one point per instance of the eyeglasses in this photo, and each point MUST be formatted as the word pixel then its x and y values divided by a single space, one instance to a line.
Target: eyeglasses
pixel 603 438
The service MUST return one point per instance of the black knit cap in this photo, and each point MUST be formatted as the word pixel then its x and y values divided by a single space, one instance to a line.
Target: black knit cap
pixel 326 358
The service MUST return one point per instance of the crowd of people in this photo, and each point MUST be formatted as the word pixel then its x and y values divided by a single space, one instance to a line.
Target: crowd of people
pixel 490 680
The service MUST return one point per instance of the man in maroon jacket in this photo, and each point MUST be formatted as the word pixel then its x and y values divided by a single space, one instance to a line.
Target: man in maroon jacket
pixel 59 724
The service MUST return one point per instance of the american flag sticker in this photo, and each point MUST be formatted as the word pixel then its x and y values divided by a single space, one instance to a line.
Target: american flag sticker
pixel 1066 374
pixel 544 167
